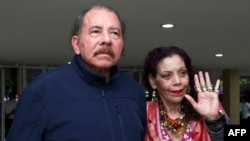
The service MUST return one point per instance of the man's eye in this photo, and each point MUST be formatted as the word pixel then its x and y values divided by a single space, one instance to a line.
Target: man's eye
pixel 95 31
pixel 115 33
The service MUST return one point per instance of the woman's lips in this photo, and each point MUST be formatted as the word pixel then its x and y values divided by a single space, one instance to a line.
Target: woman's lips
pixel 177 92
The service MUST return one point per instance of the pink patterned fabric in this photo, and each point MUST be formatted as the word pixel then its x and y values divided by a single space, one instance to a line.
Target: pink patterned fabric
pixel 195 130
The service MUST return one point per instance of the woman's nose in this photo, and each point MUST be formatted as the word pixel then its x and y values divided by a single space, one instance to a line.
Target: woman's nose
pixel 176 79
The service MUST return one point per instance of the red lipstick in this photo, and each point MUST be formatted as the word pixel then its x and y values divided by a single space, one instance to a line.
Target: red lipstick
pixel 177 92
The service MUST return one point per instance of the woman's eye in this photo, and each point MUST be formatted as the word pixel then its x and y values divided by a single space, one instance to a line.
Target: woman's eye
pixel 165 76
pixel 183 73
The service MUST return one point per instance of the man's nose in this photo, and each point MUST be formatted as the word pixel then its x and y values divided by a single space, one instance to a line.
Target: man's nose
pixel 106 37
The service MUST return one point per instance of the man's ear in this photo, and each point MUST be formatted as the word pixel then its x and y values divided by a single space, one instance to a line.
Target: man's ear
pixel 75 44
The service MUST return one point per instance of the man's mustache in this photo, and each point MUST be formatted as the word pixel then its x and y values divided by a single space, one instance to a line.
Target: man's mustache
pixel 105 50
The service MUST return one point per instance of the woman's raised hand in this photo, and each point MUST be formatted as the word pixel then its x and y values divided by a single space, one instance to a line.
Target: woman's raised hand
pixel 207 103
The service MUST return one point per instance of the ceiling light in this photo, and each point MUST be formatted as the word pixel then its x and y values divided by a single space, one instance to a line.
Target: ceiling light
pixel 219 55
pixel 167 26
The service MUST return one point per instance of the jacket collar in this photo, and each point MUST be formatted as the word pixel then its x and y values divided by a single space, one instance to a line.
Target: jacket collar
pixel 92 77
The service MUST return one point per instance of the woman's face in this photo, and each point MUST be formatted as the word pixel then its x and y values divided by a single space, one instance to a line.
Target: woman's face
pixel 171 80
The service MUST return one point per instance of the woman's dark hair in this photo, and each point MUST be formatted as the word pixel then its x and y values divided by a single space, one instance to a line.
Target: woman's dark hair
pixel 150 68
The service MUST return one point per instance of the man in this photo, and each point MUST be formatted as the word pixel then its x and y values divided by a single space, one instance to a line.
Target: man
pixel 245 111
pixel 88 99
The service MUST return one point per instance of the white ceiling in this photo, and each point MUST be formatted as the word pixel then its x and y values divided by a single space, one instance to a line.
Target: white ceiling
pixel 37 31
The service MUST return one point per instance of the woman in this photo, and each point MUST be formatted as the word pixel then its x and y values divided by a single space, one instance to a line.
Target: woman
pixel 184 105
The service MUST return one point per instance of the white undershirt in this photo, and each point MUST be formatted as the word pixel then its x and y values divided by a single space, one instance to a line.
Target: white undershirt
pixel 9 107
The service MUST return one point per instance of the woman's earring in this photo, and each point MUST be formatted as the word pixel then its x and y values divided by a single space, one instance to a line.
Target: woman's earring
pixel 147 93
pixel 154 96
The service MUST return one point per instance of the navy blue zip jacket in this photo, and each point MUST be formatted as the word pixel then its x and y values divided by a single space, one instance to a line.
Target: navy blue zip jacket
pixel 71 103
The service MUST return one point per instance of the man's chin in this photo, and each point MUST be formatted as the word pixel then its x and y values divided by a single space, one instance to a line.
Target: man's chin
pixel 104 64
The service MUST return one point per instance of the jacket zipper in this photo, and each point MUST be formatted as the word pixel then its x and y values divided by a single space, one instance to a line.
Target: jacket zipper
pixel 120 121
pixel 107 114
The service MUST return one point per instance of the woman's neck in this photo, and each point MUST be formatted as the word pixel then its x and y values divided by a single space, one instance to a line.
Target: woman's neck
pixel 172 109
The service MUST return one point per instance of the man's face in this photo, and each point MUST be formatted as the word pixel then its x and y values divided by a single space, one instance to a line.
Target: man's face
pixel 100 42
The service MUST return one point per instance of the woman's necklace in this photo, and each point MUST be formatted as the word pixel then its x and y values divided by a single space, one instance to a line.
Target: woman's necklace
pixel 175 126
